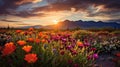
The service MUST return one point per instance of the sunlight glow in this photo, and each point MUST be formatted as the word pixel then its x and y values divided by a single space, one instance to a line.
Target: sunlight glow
pixel 36 1
pixel 55 21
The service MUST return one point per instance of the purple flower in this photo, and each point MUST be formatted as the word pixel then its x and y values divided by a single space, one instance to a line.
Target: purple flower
pixel 64 40
pixel 70 61
pixel 49 40
pixel 54 50
pixel 86 44
pixel 75 65
pixel 69 47
pixel 74 52
pixel 73 45
pixel 89 57
pixel 93 49
pixel 95 56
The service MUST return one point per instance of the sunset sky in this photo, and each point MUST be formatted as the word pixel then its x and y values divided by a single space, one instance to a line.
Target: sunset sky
pixel 46 12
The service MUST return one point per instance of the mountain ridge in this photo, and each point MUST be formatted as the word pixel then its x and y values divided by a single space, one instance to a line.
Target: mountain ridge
pixel 67 24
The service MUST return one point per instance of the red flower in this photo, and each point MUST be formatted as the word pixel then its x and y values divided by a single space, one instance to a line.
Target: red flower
pixel 74 52
pixel 89 57
pixel 30 33
pixel 75 65
pixel 21 42
pixel 70 61
pixel 31 58
pixel 40 34
pixel 30 40
pixel 18 31
pixel 45 36
pixel 62 52
pixel 80 44
pixel 37 40
pixel 31 29
pixel 1 48
pixel 93 49
pixel 44 41
pixel 8 49
pixel 27 48
pixel 118 54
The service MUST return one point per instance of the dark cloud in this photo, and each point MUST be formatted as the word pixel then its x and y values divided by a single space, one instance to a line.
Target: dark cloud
pixel 23 24
pixel 114 20
pixel 8 20
pixel 27 14
pixel 110 8
pixel 58 5
pixel 107 13
pixel 12 4
pixel 93 8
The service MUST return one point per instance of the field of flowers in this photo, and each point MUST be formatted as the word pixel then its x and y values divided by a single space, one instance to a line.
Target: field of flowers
pixel 33 48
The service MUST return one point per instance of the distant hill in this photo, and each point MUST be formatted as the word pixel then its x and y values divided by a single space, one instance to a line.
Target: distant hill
pixel 79 24
pixel 84 25
pixel 35 26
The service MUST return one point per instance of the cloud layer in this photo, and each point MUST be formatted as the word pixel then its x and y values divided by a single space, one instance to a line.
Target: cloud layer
pixel 93 8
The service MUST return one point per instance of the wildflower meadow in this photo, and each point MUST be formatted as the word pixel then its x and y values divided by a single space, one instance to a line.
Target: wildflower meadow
pixel 33 48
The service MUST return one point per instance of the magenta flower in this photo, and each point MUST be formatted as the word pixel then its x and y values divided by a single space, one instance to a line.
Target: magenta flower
pixel 75 65
pixel 89 57
pixel 74 52
pixel 93 49
pixel 87 44
pixel 62 52
pixel 95 56
pixel 70 61
pixel 69 47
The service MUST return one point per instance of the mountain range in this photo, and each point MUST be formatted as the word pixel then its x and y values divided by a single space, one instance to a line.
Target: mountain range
pixel 67 24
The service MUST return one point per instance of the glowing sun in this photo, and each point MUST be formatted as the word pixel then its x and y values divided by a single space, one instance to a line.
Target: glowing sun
pixel 55 21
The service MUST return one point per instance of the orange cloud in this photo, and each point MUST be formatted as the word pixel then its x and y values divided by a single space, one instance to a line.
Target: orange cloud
pixel 28 1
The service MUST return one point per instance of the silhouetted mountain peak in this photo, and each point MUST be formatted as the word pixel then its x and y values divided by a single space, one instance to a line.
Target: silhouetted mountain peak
pixel 66 21
pixel 80 24
pixel 87 24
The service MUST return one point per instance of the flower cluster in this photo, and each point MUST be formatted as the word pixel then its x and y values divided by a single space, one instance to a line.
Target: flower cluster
pixel 8 49
pixel 43 49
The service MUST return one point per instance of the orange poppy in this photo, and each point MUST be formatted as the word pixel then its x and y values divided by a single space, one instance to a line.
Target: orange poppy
pixel 22 33
pixel 27 48
pixel 8 49
pixel 30 39
pixel 30 33
pixel 31 29
pixel 80 44
pixel 18 31
pixel 45 36
pixel 31 58
pixel 37 40
pixel 40 34
pixel 43 41
pixel 21 42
